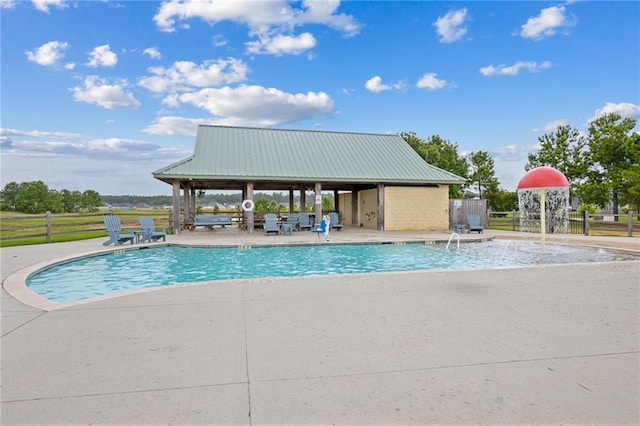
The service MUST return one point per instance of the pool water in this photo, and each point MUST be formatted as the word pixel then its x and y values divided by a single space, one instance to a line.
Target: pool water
pixel 166 265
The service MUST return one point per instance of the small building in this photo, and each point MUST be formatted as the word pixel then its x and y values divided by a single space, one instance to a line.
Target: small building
pixel 378 180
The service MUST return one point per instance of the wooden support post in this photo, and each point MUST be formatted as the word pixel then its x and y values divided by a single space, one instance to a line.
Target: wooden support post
pixel 303 199
pixel 291 201
pixel 187 203
pixel 318 202
pixel 354 206
pixel 630 223
pixel 176 206
pixel 250 219
pixel 48 226
pixel 380 207
pixel 192 210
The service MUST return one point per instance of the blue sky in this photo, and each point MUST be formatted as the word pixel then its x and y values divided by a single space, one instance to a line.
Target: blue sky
pixel 99 94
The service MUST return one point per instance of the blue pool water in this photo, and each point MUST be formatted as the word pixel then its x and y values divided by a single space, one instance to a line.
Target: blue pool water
pixel 166 265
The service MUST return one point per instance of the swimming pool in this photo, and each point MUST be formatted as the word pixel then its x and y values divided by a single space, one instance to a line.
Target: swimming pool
pixel 139 268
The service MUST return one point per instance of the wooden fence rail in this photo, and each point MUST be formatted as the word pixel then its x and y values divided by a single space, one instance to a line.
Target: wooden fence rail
pixel 63 227
pixel 49 226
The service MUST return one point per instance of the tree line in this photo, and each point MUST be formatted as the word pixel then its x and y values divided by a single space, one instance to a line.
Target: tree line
pixel 602 167
pixel 36 198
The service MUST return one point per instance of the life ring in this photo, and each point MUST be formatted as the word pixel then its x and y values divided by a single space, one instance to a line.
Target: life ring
pixel 247 205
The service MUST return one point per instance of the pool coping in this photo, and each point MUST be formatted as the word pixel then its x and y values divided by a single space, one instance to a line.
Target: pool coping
pixel 16 283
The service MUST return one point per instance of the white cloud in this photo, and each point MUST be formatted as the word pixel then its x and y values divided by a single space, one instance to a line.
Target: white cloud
pixel 37 134
pixel 256 105
pixel 39 143
pixel 175 126
pixel 624 109
pixel 547 23
pixel 219 40
pixel 431 81
pixel 282 44
pixel 76 161
pixel 324 12
pixel 375 85
pixel 515 68
pixel 98 91
pixel 512 152
pixel 271 22
pixel 186 75
pixel 49 54
pixel 257 15
pixel 44 5
pixel 152 52
pixel 7 4
pixel 551 126
pixel 102 56
pixel 451 27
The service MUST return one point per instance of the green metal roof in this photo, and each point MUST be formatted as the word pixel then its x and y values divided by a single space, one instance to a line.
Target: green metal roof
pixel 264 154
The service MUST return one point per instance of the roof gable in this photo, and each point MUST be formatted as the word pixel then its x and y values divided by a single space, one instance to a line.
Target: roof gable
pixel 243 153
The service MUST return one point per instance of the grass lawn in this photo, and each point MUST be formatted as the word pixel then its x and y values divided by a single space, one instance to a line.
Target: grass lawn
pixel 17 229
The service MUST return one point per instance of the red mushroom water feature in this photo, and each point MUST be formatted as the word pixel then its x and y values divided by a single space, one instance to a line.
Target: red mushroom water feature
pixel 552 187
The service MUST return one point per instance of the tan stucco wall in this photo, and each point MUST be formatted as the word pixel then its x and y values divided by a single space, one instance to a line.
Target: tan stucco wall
pixel 344 210
pixel 406 208
pixel 368 208
pixel 413 209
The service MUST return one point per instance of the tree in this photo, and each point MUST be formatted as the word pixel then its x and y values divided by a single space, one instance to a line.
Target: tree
pixel 565 150
pixel 327 204
pixel 54 202
pixel 482 175
pixel 613 150
pixel 32 197
pixel 630 191
pixel 503 200
pixel 91 200
pixel 72 200
pixel 8 196
pixel 262 205
pixel 442 154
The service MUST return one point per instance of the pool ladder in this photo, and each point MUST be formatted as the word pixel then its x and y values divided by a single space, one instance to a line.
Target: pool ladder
pixel 451 237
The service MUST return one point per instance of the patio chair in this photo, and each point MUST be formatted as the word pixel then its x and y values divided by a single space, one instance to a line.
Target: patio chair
pixel 335 221
pixel 150 233
pixel 116 235
pixel 271 223
pixel 323 228
pixel 474 223
pixel 294 220
pixel 305 221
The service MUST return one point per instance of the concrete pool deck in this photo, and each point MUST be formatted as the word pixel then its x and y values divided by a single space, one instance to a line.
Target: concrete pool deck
pixel 536 345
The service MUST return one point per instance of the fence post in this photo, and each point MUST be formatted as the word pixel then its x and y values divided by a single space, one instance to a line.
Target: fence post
pixel 585 222
pixel 48 226
pixel 630 223
pixel 513 220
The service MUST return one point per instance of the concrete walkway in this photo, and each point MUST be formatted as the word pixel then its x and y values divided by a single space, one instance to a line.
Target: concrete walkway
pixel 539 345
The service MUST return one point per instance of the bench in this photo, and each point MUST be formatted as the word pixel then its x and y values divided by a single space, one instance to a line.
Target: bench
pixel 211 220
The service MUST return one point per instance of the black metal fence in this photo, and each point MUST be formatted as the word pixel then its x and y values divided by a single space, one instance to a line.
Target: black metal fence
pixel 579 223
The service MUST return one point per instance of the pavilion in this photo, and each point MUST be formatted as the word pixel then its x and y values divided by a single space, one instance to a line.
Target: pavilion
pixel 378 180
